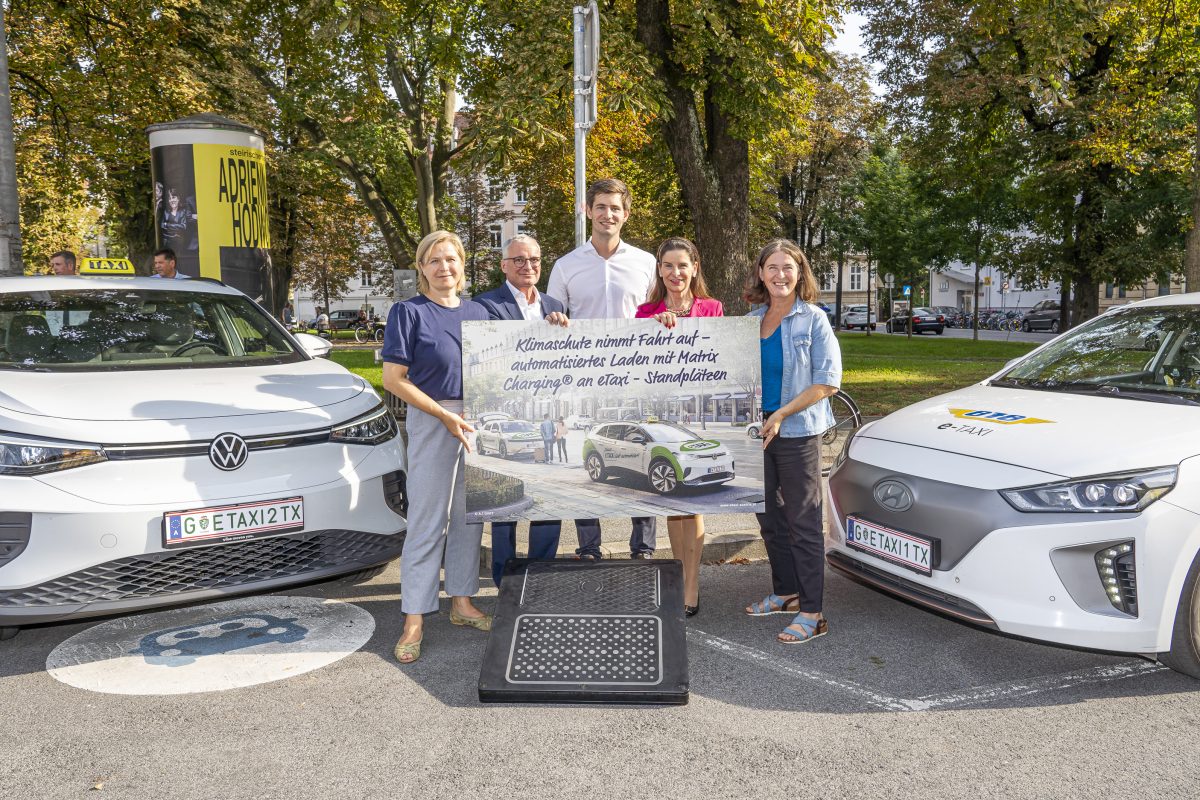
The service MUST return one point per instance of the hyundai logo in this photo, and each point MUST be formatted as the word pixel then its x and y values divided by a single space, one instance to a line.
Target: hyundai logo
pixel 228 451
pixel 893 495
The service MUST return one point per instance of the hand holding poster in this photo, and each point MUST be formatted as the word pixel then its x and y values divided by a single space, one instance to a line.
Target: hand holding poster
pixel 612 418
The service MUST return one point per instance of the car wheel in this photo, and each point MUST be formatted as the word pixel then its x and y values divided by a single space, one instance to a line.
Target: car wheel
pixel 939 331
pixel 1184 655
pixel 752 431
pixel 503 449
pixel 662 476
pixel 1025 328
pixel 872 326
pixel 1054 326
pixel 595 467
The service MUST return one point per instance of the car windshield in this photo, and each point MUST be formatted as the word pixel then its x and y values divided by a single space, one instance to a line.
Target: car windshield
pixel 923 312
pixel 516 427
pixel 669 432
pixel 1150 353
pixel 125 329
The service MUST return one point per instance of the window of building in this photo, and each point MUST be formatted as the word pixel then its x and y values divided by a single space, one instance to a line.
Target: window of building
pixel 856 277
pixel 520 229
pixel 522 194
pixel 944 286
pixel 366 277
pixel 495 190
pixel 829 281
pixel 494 237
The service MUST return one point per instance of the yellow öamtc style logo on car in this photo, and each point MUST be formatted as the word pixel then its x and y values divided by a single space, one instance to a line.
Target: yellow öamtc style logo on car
pixel 998 417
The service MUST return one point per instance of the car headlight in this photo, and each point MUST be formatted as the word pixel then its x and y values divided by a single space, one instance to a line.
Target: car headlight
pixel 1126 491
pixel 21 456
pixel 374 427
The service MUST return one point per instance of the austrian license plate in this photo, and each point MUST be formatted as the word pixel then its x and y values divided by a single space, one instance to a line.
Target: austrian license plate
pixel 917 553
pixel 232 523
pixel 711 470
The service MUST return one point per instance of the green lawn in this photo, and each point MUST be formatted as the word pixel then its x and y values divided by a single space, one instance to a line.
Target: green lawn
pixel 883 373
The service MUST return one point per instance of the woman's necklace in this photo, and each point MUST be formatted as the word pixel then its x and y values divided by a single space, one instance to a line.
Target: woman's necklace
pixel 682 311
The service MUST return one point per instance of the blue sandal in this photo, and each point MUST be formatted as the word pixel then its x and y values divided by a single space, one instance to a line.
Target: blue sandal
pixel 803 629
pixel 774 604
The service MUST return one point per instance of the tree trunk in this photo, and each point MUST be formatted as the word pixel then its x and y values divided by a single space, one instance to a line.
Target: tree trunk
pixel 837 294
pixel 712 164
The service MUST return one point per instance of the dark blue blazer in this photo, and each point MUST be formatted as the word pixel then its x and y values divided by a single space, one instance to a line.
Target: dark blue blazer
pixel 501 304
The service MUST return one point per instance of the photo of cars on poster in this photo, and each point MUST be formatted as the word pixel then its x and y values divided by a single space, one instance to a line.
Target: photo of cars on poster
pixel 612 418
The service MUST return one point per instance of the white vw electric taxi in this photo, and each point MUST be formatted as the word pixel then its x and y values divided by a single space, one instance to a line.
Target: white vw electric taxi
pixel 165 441
pixel 1058 500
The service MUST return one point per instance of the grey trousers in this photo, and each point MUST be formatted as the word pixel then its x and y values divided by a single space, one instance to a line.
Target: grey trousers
pixel 437 511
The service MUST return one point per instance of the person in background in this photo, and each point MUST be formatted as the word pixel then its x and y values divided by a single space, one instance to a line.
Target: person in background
pixel 322 323
pixel 560 438
pixel 606 278
pixel 164 265
pixel 63 263
pixel 422 365
pixel 288 316
pixel 801 370
pixel 547 431
pixel 519 299
pixel 679 291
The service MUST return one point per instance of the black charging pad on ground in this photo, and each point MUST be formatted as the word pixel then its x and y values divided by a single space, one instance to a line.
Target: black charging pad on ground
pixel 587 632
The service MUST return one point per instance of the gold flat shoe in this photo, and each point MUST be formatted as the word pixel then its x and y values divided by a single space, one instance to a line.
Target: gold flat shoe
pixel 483 623
pixel 408 653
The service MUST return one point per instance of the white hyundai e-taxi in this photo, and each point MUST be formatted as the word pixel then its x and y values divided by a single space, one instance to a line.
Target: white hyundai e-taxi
pixel 1057 500
pixel 164 441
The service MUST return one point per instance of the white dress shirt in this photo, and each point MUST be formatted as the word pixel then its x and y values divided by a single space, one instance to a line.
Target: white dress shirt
pixel 597 288
pixel 530 311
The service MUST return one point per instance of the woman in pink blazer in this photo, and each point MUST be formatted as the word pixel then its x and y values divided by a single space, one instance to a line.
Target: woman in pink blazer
pixel 679 291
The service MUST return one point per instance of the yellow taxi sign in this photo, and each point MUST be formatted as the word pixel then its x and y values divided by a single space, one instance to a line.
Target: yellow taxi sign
pixel 106 266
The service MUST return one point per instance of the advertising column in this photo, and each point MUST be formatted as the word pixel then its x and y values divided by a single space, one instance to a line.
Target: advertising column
pixel 210 199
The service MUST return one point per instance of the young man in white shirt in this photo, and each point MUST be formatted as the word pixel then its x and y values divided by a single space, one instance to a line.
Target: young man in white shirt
pixel 606 278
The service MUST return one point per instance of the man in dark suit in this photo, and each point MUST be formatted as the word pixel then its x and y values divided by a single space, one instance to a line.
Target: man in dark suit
pixel 518 299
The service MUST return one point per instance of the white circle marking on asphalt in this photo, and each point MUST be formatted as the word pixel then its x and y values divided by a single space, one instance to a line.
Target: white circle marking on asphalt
pixel 210 648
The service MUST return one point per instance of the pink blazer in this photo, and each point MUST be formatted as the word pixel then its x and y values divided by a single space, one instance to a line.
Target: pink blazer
pixel 701 307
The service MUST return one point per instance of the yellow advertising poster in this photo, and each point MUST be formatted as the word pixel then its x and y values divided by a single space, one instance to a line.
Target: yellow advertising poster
pixel 231 203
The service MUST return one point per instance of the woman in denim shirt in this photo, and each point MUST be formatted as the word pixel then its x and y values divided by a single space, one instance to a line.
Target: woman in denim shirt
pixel 801 370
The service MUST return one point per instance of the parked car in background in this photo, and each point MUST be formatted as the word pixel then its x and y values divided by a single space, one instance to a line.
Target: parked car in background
pixel 1045 316
pixel 343 319
pixel 856 317
pixel 168 441
pixel 579 422
pixel 508 437
pixel 669 456
pixel 923 319
pixel 1057 500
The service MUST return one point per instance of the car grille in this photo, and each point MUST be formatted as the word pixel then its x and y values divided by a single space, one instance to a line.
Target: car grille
pixel 207 568
pixel 14 534
pixel 274 441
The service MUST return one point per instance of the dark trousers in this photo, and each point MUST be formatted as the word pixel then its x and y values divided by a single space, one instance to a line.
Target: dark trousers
pixel 548 446
pixel 791 526
pixel 562 449
pixel 642 539
pixel 543 543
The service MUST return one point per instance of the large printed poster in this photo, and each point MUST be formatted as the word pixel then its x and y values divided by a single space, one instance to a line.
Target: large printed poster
pixel 611 418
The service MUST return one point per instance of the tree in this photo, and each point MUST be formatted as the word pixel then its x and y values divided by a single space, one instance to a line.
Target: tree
pixel 1052 78
pixel 473 217
pixel 335 243
pixel 727 72
pixel 10 222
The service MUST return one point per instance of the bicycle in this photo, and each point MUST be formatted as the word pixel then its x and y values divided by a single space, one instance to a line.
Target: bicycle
pixel 368 331
pixel 847 418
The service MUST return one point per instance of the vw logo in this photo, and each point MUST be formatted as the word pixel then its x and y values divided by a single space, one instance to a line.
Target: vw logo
pixel 228 451
pixel 893 495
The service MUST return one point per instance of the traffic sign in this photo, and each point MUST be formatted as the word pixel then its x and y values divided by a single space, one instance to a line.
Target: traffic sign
pixel 906 291
pixel 889 280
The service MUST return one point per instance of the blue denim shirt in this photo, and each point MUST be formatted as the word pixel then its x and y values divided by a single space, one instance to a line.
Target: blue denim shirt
pixel 810 355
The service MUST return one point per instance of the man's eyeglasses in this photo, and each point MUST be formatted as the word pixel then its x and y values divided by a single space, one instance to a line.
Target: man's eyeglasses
pixel 521 261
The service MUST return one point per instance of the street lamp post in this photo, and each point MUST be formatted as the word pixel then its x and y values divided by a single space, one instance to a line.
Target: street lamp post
pixel 586 24
pixel 10 208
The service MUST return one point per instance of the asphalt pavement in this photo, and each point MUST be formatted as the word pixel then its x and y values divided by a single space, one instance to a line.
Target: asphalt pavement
pixel 894 702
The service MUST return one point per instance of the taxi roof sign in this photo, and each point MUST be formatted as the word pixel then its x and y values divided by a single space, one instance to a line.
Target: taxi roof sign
pixel 106 266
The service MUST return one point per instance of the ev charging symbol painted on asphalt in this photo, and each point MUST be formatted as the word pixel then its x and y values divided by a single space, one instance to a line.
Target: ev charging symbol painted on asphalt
pixel 210 648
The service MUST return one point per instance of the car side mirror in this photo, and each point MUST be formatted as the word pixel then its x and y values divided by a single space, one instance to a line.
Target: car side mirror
pixel 637 439
pixel 315 346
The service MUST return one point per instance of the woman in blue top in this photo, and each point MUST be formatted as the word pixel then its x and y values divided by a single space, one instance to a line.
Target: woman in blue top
pixel 422 355
pixel 801 370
